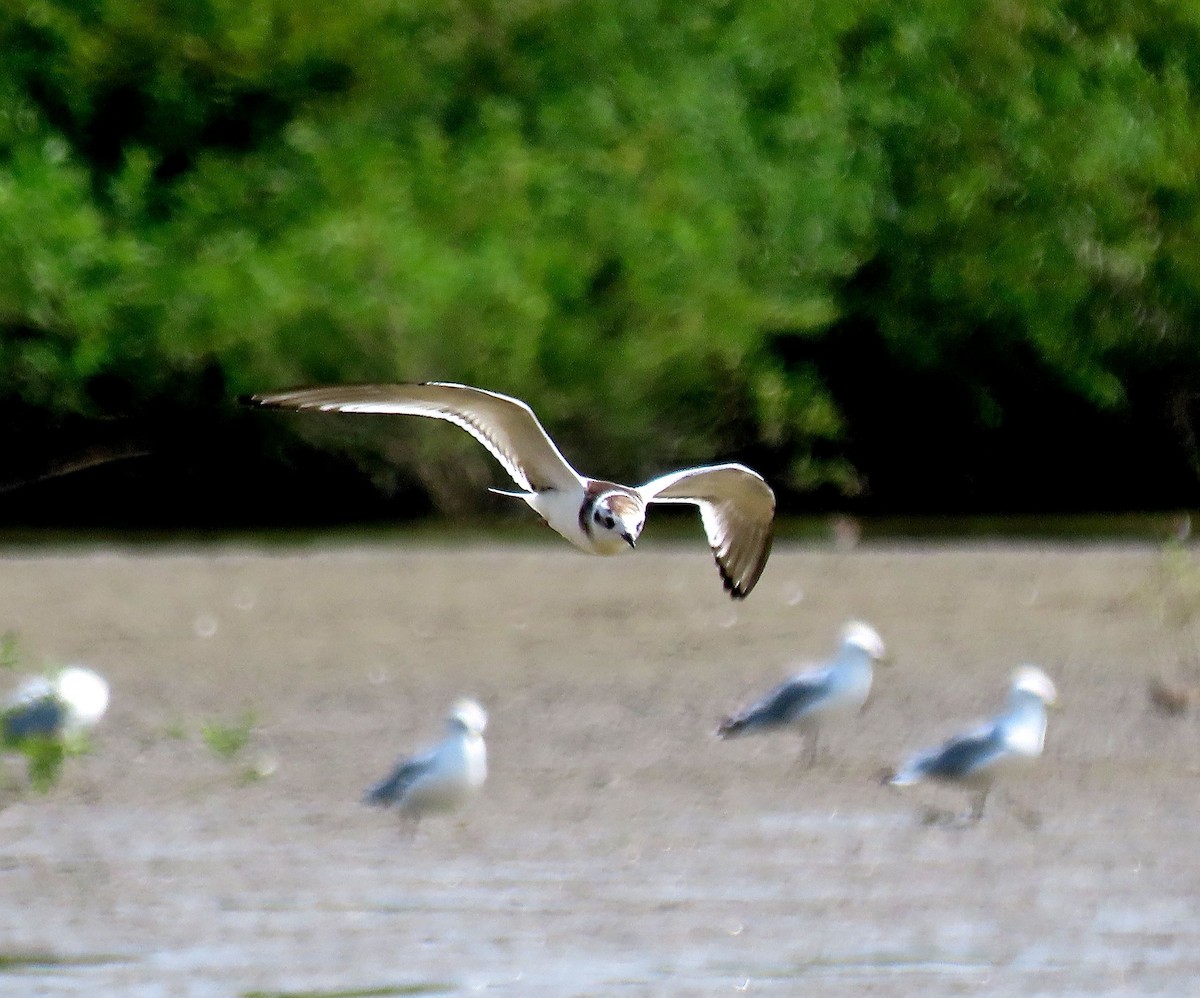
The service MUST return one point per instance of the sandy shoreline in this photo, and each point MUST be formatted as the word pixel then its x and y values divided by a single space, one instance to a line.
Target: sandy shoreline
pixel 617 846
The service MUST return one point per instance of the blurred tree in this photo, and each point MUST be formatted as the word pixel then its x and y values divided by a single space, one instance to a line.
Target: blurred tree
pixel 681 229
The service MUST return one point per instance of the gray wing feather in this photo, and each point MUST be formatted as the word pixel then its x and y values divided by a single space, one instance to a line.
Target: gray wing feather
pixel 737 508
pixel 392 788
pixel 782 705
pixel 963 755
pixel 504 425
pixel 44 716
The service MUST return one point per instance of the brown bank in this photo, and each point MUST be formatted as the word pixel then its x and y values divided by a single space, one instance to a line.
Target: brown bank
pixel 617 847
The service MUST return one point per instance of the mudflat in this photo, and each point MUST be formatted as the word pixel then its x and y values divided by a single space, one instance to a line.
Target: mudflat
pixel 617 847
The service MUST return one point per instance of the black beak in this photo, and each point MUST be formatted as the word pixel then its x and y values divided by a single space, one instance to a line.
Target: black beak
pixel 630 539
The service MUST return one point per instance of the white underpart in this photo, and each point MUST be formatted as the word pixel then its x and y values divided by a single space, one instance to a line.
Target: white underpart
pixel 457 768
pixel 560 508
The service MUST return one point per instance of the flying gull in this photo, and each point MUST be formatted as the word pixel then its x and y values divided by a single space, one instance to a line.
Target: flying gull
pixel 443 777
pixel 737 507
pixel 811 699
pixel 975 758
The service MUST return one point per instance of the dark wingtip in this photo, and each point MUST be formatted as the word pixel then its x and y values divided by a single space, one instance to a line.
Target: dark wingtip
pixel 280 398
pixel 728 728
pixel 736 589
pixel 742 589
pixel 381 794
pixel 729 582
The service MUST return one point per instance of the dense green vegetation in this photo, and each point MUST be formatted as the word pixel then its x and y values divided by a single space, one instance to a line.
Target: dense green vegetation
pixel 923 254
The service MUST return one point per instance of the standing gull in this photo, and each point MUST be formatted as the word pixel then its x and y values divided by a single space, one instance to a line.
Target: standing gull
pixel 61 706
pixel 811 699
pixel 46 719
pixel 975 758
pixel 737 507
pixel 441 778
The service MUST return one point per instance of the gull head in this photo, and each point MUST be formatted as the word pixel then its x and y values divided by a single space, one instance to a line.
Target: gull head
pixel 84 693
pixel 1031 679
pixel 618 517
pixel 469 716
pixel 857 634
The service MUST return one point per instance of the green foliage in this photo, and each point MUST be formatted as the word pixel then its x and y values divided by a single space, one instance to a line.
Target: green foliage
pixel 1037 172
pixel 45 757
pixel 672 209
pixel 10 650
pixel 227 739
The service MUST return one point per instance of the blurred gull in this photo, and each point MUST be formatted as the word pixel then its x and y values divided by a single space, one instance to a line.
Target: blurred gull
pixel 975 758
pixel 60 706
pixel 441 778
pixel 1173 699
pixel 811 699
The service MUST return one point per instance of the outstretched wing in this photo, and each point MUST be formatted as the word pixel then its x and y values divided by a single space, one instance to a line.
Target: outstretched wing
pixel 393 787
pixel 737 509
pixel 504 425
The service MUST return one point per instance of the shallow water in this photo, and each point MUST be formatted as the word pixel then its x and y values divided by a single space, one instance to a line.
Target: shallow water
pixel 617 847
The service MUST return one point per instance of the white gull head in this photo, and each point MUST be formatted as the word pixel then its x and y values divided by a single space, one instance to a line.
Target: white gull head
pixel 469 716
pixel 857 634
pixel 85 695
pixel 615 521
pixel 1030 679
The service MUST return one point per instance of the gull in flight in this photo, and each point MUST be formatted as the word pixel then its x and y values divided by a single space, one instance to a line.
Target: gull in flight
pixel 737 507
pixel 975 758
pixel 61 706
pixel 440 778
pixel 811 699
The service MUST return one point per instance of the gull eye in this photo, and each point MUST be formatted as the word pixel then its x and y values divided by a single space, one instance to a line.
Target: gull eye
pixel 608 522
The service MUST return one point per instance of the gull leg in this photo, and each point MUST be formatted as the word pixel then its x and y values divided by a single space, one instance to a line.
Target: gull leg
pixel 977 805
pixel 936 817
pixel 408 827
pixel 10 789
pixel 1027 816
pixel 810 757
